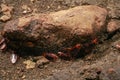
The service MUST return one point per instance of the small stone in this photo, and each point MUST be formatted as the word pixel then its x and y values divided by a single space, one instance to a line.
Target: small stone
pixel 116 45
pixel 59 7
pixel 42 61
pixel 24 12
pixel 6 10
pixel 111 70
pixel 26 9
pixel 29 64
pixel 113 26
pixel 23 76
pixel 32 0
pixel 48 7
pixel 5 18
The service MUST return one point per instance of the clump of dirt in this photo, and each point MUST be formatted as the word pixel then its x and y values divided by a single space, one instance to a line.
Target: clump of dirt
pixel 101 64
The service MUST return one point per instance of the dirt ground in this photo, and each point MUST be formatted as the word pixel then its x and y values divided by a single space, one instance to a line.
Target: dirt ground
pixel 102 64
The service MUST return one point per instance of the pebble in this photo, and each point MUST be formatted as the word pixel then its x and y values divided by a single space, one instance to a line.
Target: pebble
pixel 29 64
pixel 111 70
pixel 6 11
pixel 42 61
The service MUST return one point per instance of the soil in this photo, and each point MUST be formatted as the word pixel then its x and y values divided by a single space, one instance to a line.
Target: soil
pixel 101 64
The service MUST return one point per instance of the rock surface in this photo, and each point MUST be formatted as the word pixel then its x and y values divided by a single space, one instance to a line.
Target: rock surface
pixel 105 57
pixel 6 10
pixel 56 30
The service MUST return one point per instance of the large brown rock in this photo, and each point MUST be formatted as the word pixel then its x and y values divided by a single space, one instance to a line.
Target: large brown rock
pixel 54 31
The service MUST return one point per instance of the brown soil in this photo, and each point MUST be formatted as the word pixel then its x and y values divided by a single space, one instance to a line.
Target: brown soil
pixel 102 64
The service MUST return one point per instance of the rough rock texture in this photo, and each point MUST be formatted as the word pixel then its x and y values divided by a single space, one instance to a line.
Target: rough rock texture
pixel 104 58
pixel 56 30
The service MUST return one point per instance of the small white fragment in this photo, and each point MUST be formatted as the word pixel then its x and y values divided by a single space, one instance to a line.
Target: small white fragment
pixel 24 12
pixel 3 46
pixel 13 58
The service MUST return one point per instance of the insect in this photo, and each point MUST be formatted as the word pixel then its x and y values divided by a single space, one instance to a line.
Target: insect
pixel 50 56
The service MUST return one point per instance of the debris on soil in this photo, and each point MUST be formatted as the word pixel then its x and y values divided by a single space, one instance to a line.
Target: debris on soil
pixel 111 70
pixel 23 76
pixel 29 64
pixel 6 11
pixel 113 25
pixel 116 45
pixel 13 58
pixel 26 9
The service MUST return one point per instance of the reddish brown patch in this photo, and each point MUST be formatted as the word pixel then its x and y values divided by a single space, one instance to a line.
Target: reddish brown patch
pixel 111 70
pixel 65 56
pixel 95 41
pixel 50 56
pixel 70 53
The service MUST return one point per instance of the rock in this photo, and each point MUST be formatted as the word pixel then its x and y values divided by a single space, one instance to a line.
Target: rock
pixel 56 30
pixel 23 76
pixel 116 45
pixel 29 64
pixel 26 9
pixel 113 25
pixel 6 10
pixel 42 61
pixel 5 18
pixel 111 70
